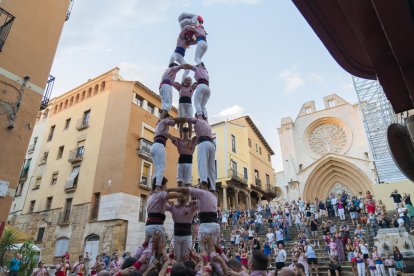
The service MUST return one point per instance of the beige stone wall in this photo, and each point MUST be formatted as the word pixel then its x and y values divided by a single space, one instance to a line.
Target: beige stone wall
pixel 383 191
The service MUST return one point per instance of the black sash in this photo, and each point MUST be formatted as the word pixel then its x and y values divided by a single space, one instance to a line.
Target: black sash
pixel 182 229
pixel 160 139
pixel 204 81
pixel 204 138
pixel 185 159
pixel 185 99
pixel 155 219
pixel 206 217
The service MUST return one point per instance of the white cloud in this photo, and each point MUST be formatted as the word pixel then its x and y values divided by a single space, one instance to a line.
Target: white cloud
pixel 148 74
pixel 232 2
pixel 293 80
pixel 228 113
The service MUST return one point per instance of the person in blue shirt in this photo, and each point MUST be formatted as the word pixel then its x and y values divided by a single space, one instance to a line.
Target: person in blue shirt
pixel 15 265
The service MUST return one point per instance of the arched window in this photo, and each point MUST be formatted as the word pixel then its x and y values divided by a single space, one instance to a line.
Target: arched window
pixel 103 86
pixel 95 89
pixel 62 246
pixel 89 92
pixel 77 98
pixel 83 95
pixel 71 101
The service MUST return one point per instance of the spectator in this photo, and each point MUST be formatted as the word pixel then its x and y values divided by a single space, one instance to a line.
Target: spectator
pixel 397 198
pixel 280 257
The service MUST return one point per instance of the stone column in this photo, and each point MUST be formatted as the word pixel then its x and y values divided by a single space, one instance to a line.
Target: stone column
pixel 236 198
pixel 249 201
pixel 225 198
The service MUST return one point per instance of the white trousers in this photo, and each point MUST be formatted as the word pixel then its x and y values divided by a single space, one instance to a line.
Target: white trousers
pixel 206 155
pixel 178 58
pixel 166 96
pixel 185 110
pixel 184 173
pixel 361 269
pixel 151 229
pixel 392 271
pixel 186 18
pixel 201 50
pixel 201 96
pixel 373 272
pixel 381 269
pixel 158 158
pixel 182 247
pixel 341 213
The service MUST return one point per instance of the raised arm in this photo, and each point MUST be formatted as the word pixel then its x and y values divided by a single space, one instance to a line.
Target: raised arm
pixel 174 195
pixel 172 138
pixel 176 85
pixel 182 190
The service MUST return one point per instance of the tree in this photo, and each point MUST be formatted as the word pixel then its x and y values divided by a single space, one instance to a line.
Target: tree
pixel 7 242
pixel 29 259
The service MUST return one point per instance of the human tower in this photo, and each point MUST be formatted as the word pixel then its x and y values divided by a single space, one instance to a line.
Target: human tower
pixel 192 33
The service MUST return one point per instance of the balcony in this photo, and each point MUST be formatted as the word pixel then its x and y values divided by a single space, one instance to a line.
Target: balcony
pixel 143 149
pixel 31 148
pixel 23 175
pixel 145 182
pixel 237 177
pixel 76 155
pixel 48 91
pixel 6 24
pixel 258 182
pixel 81 124
pixel 64 218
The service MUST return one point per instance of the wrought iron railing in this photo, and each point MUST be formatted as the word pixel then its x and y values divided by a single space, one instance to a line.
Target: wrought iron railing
pixel 144 147
pixel 77 154
pixel 258 182
pixel 237 176
pixel 7 20
pixel 82 123
pixel 48 91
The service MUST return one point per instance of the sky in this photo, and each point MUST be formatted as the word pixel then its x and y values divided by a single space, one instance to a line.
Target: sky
pixel 263 58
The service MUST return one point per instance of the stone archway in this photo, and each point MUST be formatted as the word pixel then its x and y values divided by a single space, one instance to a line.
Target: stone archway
pixel 329 173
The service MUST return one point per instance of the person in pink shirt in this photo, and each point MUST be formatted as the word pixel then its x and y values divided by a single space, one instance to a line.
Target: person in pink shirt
pixel 167 80
pixel 201 36
pixel 156 206
pixel 206 151
pixel 341 210
pixel 186 89
pixel 182 215
pixel 207 211
pixel 185 147
pixel 202 91
pixel 157 150
pixel 184 40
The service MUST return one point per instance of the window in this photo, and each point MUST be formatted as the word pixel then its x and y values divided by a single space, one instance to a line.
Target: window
pixel 19 189
pixel 31 206
pixel 95 208
pixel 66 213
pixel 260 150
pixel 44 158
pixel 267 179
pixel 138 100
pixel 33 146
pixel 234 168
pixel 300 167
pixel 26 167
pixel 62 246
pixel 37 183
pixel 67 124
pixel 86 117
pixel 331 103
pixel 52 130
pixel 233 143
pixel 60 152
pixel 54 178
pixel 150 108
pixel 142 208
pixel 256 173
pixel 49 203
pixel 146 174
pixel 73 178
pixel 40 234
pixel 308 110
pixel 249 141
pixel 257 148
pixel 269 157
pixel 103 86
pixel 6 24
pixel 95 89
pixel 245 173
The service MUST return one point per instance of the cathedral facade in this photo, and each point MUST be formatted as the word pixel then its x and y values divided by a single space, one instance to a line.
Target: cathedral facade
pixel 325 151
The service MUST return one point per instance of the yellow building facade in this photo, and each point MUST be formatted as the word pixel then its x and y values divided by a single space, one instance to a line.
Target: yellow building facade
pixel 245 175
pixel 91 169
pixel 24 72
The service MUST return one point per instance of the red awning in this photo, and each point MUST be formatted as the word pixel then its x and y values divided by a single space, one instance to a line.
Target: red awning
pixel 369 39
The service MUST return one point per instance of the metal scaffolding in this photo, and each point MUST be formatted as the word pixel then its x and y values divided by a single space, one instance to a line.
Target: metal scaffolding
pixel 378 115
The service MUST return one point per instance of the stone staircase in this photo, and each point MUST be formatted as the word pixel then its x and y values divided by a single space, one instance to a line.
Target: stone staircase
pixel 322 254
